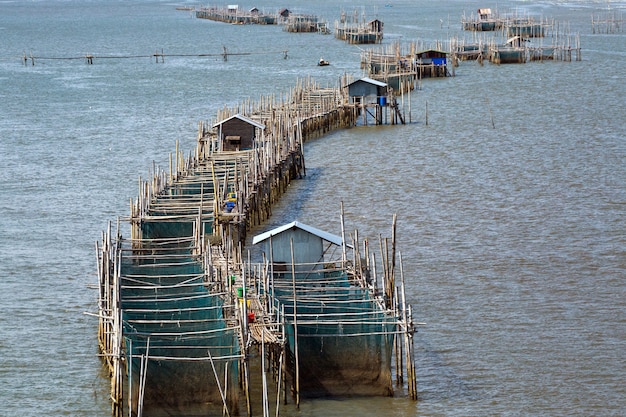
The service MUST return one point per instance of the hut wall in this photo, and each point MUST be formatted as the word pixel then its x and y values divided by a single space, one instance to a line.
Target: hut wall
pixel 236 127
pixel 363 89
pixel 307 248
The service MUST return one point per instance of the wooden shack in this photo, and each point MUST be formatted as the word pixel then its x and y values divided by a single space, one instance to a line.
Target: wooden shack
pixel 485 14
pixel 308 246
pixel 431 63
pixel 369 95
pixel 375 26
pixel 367 91
pixel 237 133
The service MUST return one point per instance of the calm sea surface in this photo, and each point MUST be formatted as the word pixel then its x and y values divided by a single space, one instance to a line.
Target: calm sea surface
pixel 511 202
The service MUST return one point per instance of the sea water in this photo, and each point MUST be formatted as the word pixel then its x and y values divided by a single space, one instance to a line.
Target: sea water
pixel 509 186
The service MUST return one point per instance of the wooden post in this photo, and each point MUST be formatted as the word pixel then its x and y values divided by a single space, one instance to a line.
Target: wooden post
pixel 343 236
pixel 295 326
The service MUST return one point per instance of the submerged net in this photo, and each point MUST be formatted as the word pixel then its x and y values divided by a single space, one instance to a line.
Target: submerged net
pixel 176 337
pixel 344 336
pixel 181 351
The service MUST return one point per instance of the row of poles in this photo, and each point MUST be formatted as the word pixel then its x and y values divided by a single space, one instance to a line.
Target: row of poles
pixel 159 57
pixel 286 140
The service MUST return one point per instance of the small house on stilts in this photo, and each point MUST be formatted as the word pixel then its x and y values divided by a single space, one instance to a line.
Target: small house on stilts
pixel 367 94
pixel 431 63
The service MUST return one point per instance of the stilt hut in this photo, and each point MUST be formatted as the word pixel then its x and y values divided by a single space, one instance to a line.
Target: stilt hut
pixel 308 245
pixel 484 20
pixel 366 94
pixel 367 91
pixel 237 133
pixel 375 26
pixel 431 63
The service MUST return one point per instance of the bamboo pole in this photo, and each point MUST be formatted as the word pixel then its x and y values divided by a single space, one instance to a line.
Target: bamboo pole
pixel 266 411
pixel 343 235
pixel 280 377
pixel 219 386
pixel 130 376
pixel 143 378
pixel 295 326
pixel 392 277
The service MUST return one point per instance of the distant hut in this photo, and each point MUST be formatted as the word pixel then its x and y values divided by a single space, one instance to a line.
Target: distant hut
pixel 485 14
pixel 283 14
pixel 376 26
pixel 431 63
pixel 237 133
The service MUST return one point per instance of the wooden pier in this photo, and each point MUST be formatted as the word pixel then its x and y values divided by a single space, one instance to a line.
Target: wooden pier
pixel 483 21
pixel 232 14
pixel 157 56
pixel 303 23
pixel 175 317
pixel 402 66
pixel 608 23
pixel 511 24
pixel 355 30
pixel 501 48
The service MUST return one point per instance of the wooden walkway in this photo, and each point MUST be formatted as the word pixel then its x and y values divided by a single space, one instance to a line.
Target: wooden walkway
pixel 207 202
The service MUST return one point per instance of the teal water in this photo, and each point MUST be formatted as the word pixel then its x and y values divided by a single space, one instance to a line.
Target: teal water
pixel 512 233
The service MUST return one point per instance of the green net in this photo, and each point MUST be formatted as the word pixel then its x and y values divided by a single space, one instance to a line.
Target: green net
pixel 344 337
pixel 180 350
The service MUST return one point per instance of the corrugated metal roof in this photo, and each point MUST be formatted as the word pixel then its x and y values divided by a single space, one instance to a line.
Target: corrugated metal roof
pixel 516 39
pixel 244 118
pixel 296 224
pixel 431 50
pixel 370 81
